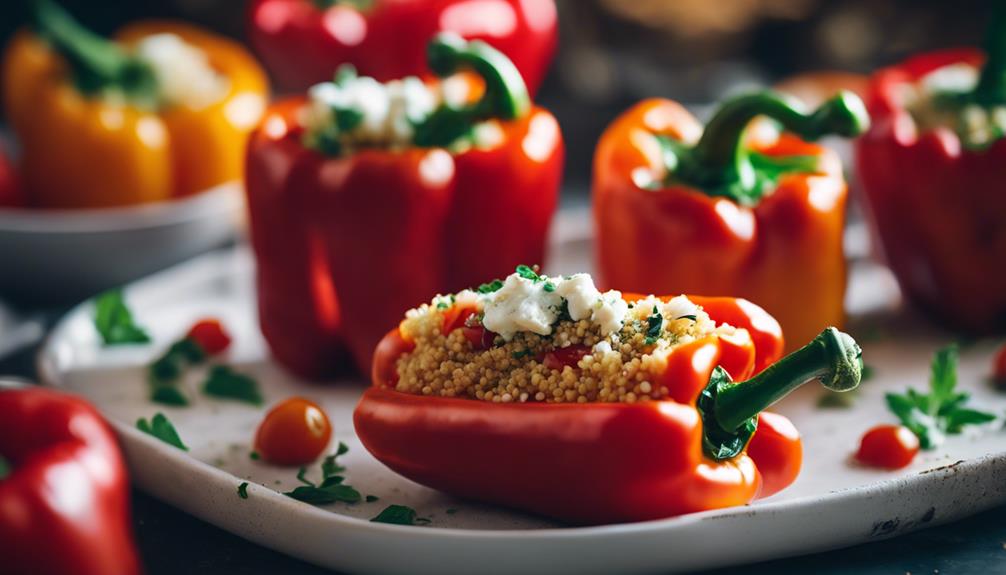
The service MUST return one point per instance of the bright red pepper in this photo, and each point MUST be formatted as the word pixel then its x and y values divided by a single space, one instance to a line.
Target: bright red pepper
pixel 64 508
pixel 344 244
pixel 937 207
pixel 302 42
pixel 611 462
pixel 10 186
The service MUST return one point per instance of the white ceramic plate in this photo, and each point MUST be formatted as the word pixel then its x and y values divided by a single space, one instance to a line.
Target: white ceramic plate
pixel 834 503
pixel 61 256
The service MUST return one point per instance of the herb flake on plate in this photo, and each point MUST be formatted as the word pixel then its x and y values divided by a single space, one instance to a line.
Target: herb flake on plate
pixel 224 382
pixel 114 321
pixel 243 490
pixel 331 488
pixel 160 427
pixel 399 515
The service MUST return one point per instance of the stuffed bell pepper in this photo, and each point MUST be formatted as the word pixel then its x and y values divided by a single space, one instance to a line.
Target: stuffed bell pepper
pixel 303 41
pixel 546 395
pixel 366 197
pixel 755 213
pixel 933 168
pixel 64 490
pixel 162 111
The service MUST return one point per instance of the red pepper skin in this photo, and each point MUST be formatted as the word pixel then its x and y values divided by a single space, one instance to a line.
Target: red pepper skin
pixel 580 463
pixel 302 44
pixel 937 208
pixel 345 244
pixel 65 506
pixel 11 195
pixel 778 450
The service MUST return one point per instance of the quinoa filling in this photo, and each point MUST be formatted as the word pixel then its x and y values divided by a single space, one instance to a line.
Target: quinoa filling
pixel 587 346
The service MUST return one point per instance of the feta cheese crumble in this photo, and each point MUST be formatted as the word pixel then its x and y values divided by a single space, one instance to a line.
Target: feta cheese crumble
pixel 184 74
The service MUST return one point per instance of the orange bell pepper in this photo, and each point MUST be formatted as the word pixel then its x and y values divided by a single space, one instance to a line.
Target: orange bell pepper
pixel 601 462
pixel 757 215
pixel 91 131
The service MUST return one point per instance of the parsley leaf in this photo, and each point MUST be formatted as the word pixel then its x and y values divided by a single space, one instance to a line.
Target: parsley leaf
pixel 528 273
pixel 162 429
pixel 168 368
pixel 243 490
pixel 4 468
pixel 168 395
pixel 226 383
pixel 399 515
pixel 941 412
pixel 655 325
pixel 114 321
pixel 325 494
pixel 329 467
pixel 490 287
pixel 520 354
pixel 688 316
pixel 254 456
pixel 371 498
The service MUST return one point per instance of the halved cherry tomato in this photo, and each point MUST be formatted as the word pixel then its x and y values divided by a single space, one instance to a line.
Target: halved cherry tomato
pixel 999 369
pixel 461 317
pixel 888 447
pixel 295 432
pixel 210 334
pixel 778 450
pixel 561 357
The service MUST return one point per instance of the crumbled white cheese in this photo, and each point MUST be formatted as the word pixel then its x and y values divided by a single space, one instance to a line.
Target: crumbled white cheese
pixel 533 305
pixel 953 78
pixel 388 111
pixel 184 73
pixel 602 347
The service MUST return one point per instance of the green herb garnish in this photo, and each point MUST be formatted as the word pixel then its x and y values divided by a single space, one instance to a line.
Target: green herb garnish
pixel 168 368
pixel 941 412
pixel 168 395
pixel 331 488
pixel 329 466
pixel 243 490
pixel 114 321
pixel 371 498
pixel 399 515
pixel 655 325
pixel 688 316
pixel 520 354
pixel 162 429
pixel 254 456
pixel 226 383
pixel 490 287
pixel 527 273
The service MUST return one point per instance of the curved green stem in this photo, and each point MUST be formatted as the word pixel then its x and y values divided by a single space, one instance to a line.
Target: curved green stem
pixel 720 163
pixel 505 95
pixel 98 64
pixel 730 410
pixel 991 87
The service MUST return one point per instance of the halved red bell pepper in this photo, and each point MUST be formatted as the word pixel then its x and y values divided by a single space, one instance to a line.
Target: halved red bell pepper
pixel 344 244
pixel 303 42
pixel 938 207
pixel 613 462
pixel 64 502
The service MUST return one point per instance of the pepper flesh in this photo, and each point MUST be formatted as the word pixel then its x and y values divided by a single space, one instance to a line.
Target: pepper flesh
pixel 302 43
pixel 768 252
pixel 85 151
pixel 345 243
pixel 65 506
pixel 936 207
pixel 585 463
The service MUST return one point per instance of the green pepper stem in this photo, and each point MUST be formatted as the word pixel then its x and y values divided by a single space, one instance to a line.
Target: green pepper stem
pixel 832 357
pixel 98 64
pixel 719 162
pixel 991 87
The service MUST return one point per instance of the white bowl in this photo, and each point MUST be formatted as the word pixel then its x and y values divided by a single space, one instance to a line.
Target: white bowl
pixel 51 257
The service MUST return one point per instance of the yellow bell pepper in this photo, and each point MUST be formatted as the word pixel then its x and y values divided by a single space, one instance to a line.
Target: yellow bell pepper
pixel 93 124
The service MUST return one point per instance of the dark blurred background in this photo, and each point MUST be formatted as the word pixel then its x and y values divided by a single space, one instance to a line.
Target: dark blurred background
pixel 615 52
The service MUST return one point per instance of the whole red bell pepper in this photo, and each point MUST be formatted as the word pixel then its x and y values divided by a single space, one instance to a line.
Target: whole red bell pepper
pixel 346 242
pixel 601 462
pixel 302 42
pixel 937 203
pixel 64 492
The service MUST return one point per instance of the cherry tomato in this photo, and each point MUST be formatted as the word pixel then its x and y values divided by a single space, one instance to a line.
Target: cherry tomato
pixel 476 334
pixel 295 432
pixel 565 356
pixel 999 368
pixel 210 335
pixel 777 450
pixel 888 447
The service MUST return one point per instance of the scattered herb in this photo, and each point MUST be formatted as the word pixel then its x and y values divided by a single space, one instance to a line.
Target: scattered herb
pixel 452 511
pixel 301 477
pixel 398 515
pixel 226 383
pixel 162 429
pixel 114 321
pixel 563 313
pixel 4 467
pixel 655 324
pixel 371 498
pixel 490 287
pixel 329 466
pixel 325 494
pixel 941 412
pixel 549 287
pixel 243 490
pixel 520 354
pixel 168 368
pixel 168 395
pixel 254 456
pixel 442 305
pixel 688 316
pixel 528 273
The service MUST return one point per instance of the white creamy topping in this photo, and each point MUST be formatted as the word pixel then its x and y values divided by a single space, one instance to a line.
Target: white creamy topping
pixel 388 111
pixel 953 78
pixel 184 74
pixel 533 305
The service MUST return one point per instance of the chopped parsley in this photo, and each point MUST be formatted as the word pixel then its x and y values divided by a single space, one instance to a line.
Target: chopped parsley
pixel 168 395
pixel 520 354
pixel 654 326
pixel 162 429
pixel 530 273
pixel 254 456
pixel 941 412
pixel 243 490
pixel 329 466
pixel 168 368
pixel 224 382
pixel 690 316
pixel 114 321
pixel 4 467
pixel 399 515
pixel 371 498
pixel 331 488
pixel 490 287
